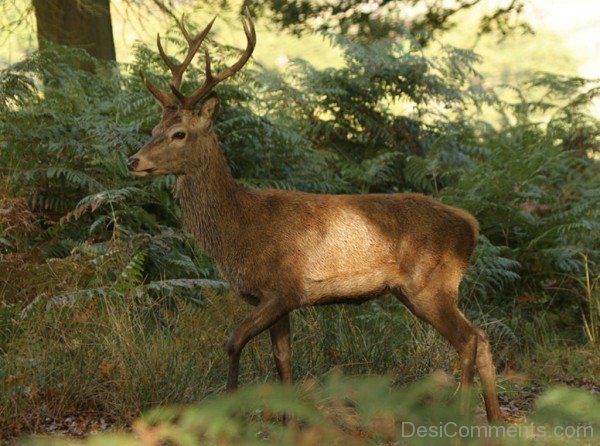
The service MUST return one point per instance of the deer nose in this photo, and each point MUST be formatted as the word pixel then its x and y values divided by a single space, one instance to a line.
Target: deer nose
pixel 132 163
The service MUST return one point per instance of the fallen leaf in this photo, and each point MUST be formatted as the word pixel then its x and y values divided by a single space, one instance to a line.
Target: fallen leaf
pixel 106 368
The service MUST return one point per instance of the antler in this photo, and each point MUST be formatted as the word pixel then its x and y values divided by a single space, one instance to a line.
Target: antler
pixel 189 102
pixel 194 43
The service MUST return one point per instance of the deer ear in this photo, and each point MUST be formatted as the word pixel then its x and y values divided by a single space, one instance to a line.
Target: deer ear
pixel 209 110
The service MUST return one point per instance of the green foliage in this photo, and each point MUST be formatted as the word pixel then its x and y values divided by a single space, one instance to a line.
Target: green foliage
pixel 352 113
pixel 536 195
pixel 355 411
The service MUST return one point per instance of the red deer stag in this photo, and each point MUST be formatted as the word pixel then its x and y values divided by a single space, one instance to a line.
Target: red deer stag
pixel 282 250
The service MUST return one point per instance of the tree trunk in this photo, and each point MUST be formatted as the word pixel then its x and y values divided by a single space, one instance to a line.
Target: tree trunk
pixel 77 23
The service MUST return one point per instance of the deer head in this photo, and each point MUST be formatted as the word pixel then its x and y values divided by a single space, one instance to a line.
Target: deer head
pixel 184 130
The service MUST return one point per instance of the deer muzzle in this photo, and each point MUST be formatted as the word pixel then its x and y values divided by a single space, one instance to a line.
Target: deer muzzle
pixel 139 167
pixel 132 163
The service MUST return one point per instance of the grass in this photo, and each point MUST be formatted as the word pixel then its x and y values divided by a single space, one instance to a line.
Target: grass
pixel 113 357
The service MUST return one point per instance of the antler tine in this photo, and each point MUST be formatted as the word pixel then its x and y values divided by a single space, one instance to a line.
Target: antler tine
pixel 211 81
pixel 184 31
pixel 165 98
pixel 194 43
pixel 207 69
pixel 163 55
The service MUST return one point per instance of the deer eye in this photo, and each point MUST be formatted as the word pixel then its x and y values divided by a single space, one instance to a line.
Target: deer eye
pixel 178 135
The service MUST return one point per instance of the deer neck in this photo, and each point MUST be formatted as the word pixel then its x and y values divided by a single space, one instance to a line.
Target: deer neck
pixel 210 200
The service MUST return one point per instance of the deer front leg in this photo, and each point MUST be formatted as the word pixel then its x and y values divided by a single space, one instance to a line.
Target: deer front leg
pixel 263 317
pixel 282 349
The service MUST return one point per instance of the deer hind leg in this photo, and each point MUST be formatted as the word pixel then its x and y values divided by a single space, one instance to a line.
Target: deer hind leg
pixel 440 311
pixel 264 316
pixel 282 350
pixel 436 304
pixel 487 373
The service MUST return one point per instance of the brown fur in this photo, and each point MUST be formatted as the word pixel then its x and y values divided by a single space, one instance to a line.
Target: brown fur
pixel 282 250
